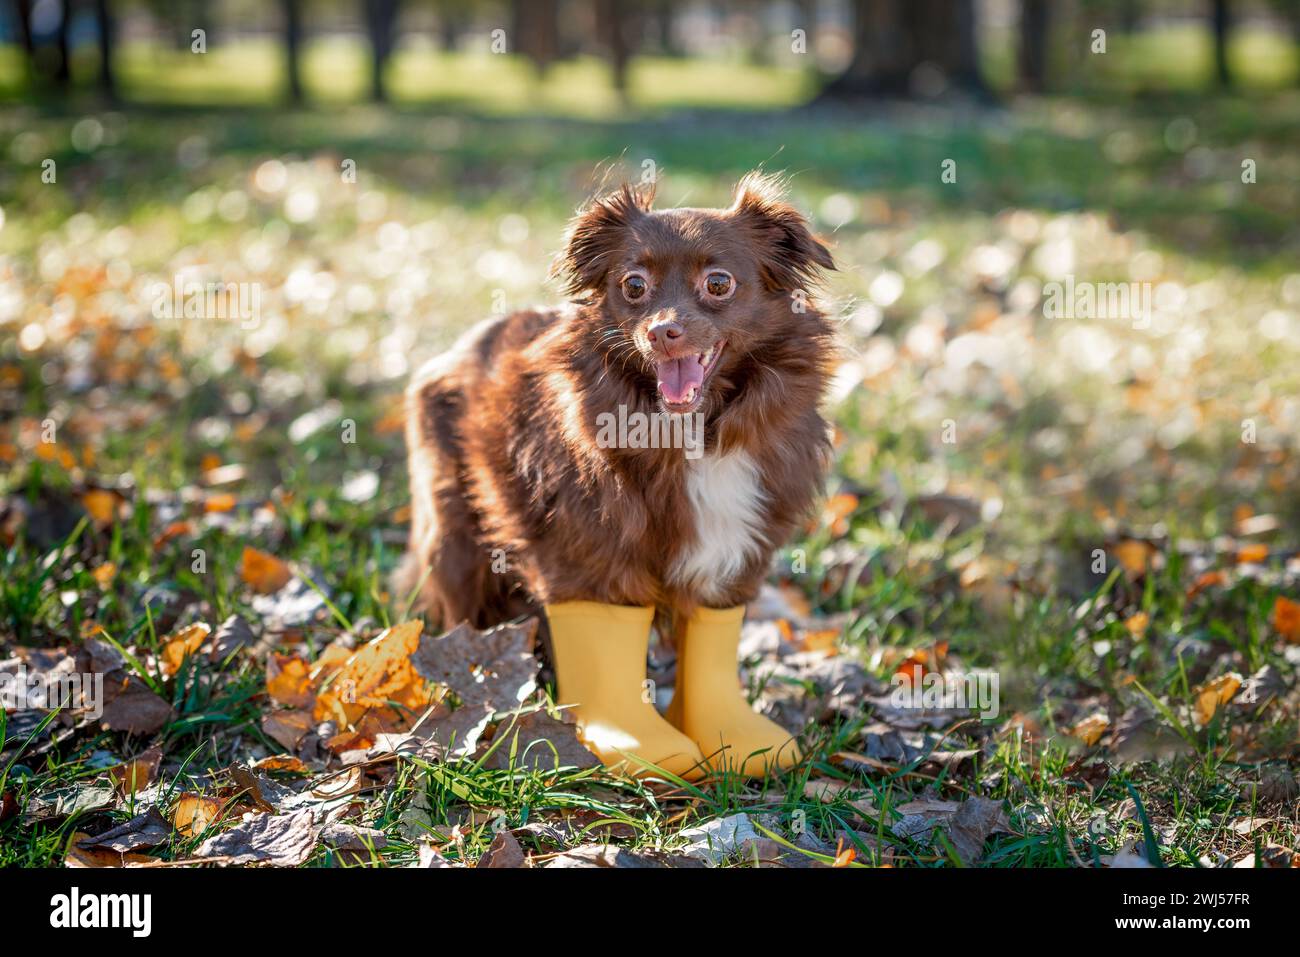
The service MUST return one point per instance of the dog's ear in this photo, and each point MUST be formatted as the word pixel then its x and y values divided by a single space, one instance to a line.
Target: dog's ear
pixel 792 257
pixel 593 236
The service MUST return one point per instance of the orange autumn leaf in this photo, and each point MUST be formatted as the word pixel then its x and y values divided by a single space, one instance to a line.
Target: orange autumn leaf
pixel 195 813
pixel 104 573
pixel 210 461
pixel 183 644
pixel 1206 580
pixel 1134 555
pixel 1214 694
pixel 844 856
pixel 266 573
pixel 288 681
pixel 823 639
pixel 286 763
pixel 1252 554
pixel 837 512
pixel 138 773
pixel 1137 623
pixel 101 505
pixel 174 530
pixel 220 502
pixel 1090 729
pixel 378 675
pixel 1286 619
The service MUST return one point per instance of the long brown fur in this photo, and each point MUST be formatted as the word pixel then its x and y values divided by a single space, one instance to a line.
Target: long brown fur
pixel 513 501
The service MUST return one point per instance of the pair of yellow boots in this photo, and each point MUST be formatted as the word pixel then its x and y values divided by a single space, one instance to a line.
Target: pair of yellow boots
pixel 600 657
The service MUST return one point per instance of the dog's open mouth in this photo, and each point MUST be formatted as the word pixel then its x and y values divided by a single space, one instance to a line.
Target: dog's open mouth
pixel 681 380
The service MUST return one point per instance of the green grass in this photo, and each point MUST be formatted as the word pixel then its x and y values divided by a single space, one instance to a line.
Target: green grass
pixel 1073 436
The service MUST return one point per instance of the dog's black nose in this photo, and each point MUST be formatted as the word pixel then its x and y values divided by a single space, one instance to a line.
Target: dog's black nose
pixel 665 329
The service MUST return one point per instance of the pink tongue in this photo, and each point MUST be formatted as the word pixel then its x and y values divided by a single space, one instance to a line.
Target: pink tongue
pixel 678 376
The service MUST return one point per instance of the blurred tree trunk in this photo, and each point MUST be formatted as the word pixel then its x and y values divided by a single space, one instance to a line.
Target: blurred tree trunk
pixel 293 47
pixel 1221 23
pixel 536 32
pixel 381 25
pixel 23 15
pixel 63 68
pixel 23 18
pixel 107 28
pixel 612 29
pixel 892 38
pixel 659 26
pixel 1034 31
pixel 451 24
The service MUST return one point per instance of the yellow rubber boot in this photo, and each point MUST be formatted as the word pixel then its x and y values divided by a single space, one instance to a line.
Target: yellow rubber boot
pixel 600 655
pixel 710 708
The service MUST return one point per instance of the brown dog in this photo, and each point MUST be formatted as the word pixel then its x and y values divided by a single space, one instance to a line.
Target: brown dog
pixel 519 498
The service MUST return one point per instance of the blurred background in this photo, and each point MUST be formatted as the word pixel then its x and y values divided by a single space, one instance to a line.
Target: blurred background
pixel 387 173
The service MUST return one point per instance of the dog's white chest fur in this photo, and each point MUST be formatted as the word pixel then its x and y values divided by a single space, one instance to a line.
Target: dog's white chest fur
pixel 726 499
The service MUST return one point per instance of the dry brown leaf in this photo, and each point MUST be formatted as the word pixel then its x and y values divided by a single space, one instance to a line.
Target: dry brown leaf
pixel 134 708
pixel 285 840
pixel 144 830
pixel 287 728
pixel 98 857
pixel 503 852
pixel 138 773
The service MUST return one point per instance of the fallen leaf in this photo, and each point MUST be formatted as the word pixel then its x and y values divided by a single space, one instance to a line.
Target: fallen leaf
pixel 1134 556
pixel 1286 619
pixel 195 813
pixel 98 857
pixel 971 826
pixel 101 505
pixel 104 573
pixel 138 773
pixel 1252 554
pixel 1214 694
pixel 541 743
pixel 604 855
pixel 504 851
pixel 134 708
pixel 716 840
pixel 265 573
pixel 1137 623
pixel 1206 580
pixel 288 681
pixel 285 763
pixel 144 830
pixel 182 645
pixel 287 728
pixel 64 802
pixel 285 840
pixel 220 502
pixel 1128 856
pixel 1091 728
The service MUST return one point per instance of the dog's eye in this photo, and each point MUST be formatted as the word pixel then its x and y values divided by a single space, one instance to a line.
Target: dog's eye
pixel 634 287
pixel 719 284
